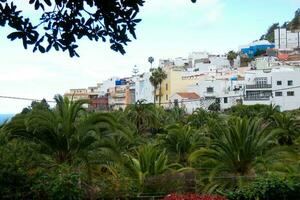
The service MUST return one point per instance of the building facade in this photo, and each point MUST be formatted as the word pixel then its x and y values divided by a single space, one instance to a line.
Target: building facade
pixel 286 40
pixel 278 85
pixel 253 48
pixel 144 90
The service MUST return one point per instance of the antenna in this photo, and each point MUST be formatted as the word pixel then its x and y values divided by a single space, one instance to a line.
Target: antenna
pixel 135 70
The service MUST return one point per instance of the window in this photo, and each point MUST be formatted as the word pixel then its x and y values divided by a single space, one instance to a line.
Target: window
pixel 261 80
pixel 225 99
pixel 290 83
pixel 167 86
pixel 279 82
pixel 176 102
pixel 167 97
pixel 278 94
pixel 210 90
pixel 291 93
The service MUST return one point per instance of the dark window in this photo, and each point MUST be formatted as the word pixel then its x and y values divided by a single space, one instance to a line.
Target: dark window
pixel 278 94
pixel 290 83
pixel 167 97
pixel 176 102
pixel 291 93
pixel 166 86
pixel 210 90
pixel 225 99
pixel 279 82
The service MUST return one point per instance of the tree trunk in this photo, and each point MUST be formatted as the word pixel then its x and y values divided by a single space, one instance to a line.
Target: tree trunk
pixel 155 88
pixel 231 62
pixel 159 99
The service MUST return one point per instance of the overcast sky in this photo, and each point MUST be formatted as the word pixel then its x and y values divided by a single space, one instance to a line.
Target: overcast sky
pixel 170 28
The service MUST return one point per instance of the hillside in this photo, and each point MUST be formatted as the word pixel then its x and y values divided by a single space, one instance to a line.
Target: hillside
pixel 294 24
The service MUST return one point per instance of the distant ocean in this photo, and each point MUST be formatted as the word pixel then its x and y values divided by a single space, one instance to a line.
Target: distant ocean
pixel 4 117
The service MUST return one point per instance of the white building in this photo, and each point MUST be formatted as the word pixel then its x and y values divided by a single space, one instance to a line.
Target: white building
pixel 279 86
pixel 190 101
pixel 109 83
pixel 143 88
pixel 197 57
pixel 227 91
pixel 286 40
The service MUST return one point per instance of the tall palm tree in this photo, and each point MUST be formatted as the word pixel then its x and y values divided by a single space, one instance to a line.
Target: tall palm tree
pixel 151 60
pixel 235 151
pixel 231 56
pixel 157 77
pixel 65 132
pixel 286 127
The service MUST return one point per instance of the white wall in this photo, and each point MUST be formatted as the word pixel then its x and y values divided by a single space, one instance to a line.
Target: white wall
pixel 285 39
pixel 286 102
pixel 109 83
pixel 278 74
pixel 144 88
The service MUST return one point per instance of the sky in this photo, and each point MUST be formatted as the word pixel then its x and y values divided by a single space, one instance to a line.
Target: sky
pixel 169 29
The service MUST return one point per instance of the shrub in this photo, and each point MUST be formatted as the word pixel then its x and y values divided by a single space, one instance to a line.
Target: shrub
pixel 193 197
pixel 268 189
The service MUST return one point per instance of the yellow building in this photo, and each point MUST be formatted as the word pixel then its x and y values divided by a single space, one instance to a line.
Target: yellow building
pixel 176 81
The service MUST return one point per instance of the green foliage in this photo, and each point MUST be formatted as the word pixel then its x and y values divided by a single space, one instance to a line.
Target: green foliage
pixel 286 127
pixel 201 117
pixel 215 107
pixel 61 133
pixel 245 61
pixel 231 56
pixel 157 77
pixel 295 23
pixel 258 110
pixel 270 33
pixel 68 153
pixel 234 152
pixel 143 116
pixel 267 188
pixel 61 183
pixel 180 141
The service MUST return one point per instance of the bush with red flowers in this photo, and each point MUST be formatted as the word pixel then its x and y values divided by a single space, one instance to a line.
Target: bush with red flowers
pixel 193 197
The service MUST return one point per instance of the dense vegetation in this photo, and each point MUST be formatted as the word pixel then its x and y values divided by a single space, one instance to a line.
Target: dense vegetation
pixel 248 152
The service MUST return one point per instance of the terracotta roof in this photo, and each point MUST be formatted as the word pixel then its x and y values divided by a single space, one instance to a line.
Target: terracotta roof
pixel 283 56
pixel 188 95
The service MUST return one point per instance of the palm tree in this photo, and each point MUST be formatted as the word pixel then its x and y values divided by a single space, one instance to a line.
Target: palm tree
pixel 268 112
pixel 180 141
pixel 148 162
pixel 151 60
pixel 286 127
pixel 235 151
pixel 201 117
pixel 231 56
pixel 157 77
pixel 142 115
pixel 65 132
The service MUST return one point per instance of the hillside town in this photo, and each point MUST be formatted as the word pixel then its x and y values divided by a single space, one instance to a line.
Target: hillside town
pixel 260 73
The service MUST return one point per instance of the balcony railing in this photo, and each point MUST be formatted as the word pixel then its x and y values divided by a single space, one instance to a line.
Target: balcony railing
pixel 257 98
pixel 259 86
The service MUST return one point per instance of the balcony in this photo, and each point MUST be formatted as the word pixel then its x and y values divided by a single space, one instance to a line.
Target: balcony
pixel 259 86
pixel 257 98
